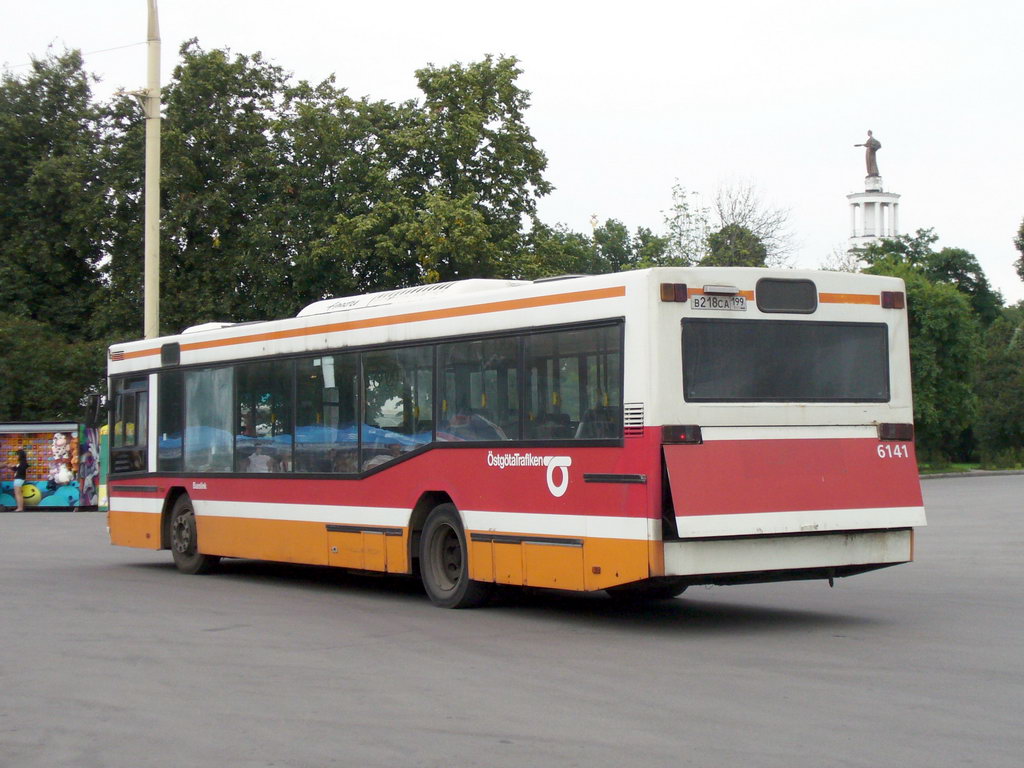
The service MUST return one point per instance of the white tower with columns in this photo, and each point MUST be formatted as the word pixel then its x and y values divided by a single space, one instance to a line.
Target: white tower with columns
pixel 874 214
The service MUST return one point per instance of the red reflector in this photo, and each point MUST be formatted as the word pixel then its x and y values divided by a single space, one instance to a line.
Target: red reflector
pixel 688 433
pixel 896 431
pixel 893 300
pixel 673 292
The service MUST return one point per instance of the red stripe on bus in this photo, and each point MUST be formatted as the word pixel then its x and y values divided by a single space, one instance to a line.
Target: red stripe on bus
pixel 465 474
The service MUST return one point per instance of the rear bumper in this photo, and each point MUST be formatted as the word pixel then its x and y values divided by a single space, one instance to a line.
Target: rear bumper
pixel 737 560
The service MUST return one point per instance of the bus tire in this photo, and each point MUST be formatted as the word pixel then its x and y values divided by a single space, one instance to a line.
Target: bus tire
pixel 185 542
pixel 444 562
pixel 650 590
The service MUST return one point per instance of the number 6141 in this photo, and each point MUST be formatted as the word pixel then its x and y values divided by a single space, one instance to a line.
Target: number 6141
pixel 891 451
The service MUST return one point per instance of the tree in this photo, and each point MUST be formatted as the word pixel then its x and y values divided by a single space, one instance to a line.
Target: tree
pixel 438 189
pixel 949 300
pixel 52 213
pixel 733 231
pixel 735 246
pixel 842 259
pixel 45 375
pixel 912 250
pixel 960 268
pixel 943 356
pixel 1018 242
pixel 350 182
pixel 952 266
pixel 740 207
pixel 687 228
pixel 1000 389
pixel 220 250
pixel 478 150
pixel 555 250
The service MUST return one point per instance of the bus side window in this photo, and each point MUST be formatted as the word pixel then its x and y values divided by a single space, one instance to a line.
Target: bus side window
pixel 574 384
pixel 327 393
pixel 263 442
pixel 169 416
pixel 209 429
pixel 130 425
pixel 479 398
pixel 397 394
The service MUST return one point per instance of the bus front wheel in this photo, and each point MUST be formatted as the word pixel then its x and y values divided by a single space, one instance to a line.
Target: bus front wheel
pixel 185 543
pixel 444 562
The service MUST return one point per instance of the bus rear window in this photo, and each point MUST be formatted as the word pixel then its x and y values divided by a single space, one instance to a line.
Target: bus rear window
pixel 784 361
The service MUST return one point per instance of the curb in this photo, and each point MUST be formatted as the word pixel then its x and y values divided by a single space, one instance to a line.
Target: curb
pixel 973 473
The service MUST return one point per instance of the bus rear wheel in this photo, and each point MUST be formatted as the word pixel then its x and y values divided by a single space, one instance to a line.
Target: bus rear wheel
pixel 650 590
pixel 444 562
pixel 185 542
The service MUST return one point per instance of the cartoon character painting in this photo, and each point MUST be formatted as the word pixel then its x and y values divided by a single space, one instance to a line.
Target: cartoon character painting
pixel 62 460
pixel 88 472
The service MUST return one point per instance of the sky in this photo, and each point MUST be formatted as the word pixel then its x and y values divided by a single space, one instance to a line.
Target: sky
pixel 629 99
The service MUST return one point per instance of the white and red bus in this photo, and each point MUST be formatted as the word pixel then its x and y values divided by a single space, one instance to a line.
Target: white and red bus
pixel 635 432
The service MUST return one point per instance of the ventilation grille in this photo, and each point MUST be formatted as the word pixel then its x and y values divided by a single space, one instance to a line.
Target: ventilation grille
pixel 117 354
pixel 633 421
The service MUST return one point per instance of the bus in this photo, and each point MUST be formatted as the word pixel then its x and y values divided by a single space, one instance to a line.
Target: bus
pixel 638 433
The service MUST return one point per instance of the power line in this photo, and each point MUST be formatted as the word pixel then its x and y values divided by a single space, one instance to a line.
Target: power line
pixel 84 54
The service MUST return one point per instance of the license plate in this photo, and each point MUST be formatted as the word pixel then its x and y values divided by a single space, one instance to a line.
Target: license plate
pixel 732 303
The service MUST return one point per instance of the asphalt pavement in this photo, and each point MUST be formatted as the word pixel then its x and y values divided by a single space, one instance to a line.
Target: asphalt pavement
pixel 109 657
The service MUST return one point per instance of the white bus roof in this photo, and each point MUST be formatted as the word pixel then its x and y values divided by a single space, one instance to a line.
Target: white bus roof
pixel 404 295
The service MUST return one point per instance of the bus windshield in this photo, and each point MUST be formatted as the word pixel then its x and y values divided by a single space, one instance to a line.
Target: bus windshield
pixel 784 361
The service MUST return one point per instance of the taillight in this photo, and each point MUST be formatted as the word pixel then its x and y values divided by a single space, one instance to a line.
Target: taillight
pixel 673 292
pixel 893 300
pixel 688 433
pixel 895 431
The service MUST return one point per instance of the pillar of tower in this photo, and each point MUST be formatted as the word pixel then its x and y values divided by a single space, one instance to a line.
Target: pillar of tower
pixel 878 214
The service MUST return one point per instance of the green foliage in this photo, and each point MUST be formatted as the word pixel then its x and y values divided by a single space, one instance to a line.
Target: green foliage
pixel 480 147
pixel 687 226
pixel 350 188
pixel 943 354
pixel 558 251
pixel 912 250
pixel 51 203
pixel 952 266
pixel 735 246
pixel 425 192
pixel 952 383
pixel 45 375
pixel 220 248
pixel 276 195
pixel 960 268
pixel 738 230
pixel 1018 243
pixel 1000 388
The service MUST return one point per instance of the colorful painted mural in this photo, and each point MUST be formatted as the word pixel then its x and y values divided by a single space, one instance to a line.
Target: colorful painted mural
pixel 63 464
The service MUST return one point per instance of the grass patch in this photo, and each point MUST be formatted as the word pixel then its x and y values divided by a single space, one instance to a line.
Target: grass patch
pixel 928 468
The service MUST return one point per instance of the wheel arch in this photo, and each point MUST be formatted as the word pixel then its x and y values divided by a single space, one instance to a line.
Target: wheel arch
pixel 427 501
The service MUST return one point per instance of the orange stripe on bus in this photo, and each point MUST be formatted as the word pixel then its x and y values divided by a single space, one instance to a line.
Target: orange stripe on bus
pixel 409 317
pixel 849 298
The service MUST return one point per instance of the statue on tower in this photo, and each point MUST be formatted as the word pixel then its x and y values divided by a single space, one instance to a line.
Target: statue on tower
pixel 871 146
